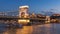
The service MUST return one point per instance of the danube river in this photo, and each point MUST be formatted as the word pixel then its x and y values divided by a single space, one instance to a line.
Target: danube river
pixel 33 29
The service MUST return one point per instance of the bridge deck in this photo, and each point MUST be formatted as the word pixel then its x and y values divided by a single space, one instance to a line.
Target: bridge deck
pixel 16 17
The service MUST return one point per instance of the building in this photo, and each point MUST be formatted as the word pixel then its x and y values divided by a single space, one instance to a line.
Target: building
pixel 3 13
pixel 55 18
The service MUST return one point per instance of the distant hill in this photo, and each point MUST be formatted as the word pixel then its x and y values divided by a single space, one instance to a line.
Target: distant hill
pixel 46 13
pixel 49 13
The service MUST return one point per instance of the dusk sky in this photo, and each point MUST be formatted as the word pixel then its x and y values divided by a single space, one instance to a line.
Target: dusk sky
pixel 35 5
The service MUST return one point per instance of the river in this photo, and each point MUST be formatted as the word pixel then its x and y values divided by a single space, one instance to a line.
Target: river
pixel 33 29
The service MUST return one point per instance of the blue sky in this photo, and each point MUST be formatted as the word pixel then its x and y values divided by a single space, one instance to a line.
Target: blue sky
pixel 35 5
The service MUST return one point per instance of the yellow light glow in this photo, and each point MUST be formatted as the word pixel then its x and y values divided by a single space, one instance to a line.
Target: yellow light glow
pixel 24 21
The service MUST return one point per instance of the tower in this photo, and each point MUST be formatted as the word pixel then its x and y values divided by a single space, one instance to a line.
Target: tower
pixel 23 11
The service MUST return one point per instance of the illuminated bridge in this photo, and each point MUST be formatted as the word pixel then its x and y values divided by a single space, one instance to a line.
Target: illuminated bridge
pixel 16 18
pixel 8 16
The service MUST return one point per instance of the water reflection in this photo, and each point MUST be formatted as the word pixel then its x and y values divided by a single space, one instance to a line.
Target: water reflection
pixel 25 30
pixel 35 29
pixel 2 30
pixel 42 29
pixel 10 31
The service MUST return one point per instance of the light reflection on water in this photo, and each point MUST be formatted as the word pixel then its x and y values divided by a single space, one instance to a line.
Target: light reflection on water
pixel 35 29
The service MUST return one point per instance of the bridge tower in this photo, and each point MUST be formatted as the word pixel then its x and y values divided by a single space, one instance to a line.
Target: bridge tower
pixel 23 11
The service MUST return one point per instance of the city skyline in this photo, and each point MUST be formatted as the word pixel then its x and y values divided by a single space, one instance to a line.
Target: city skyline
pixel 35 5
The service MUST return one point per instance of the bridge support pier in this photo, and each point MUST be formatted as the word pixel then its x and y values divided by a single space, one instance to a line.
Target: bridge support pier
pixel 47 19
